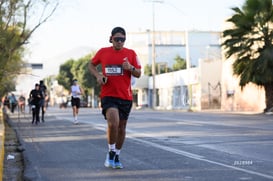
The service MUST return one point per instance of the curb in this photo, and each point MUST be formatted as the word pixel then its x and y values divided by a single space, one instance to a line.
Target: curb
pixel 2 140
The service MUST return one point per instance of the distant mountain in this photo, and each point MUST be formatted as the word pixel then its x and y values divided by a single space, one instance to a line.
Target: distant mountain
pixel 51 67
pixel 74 53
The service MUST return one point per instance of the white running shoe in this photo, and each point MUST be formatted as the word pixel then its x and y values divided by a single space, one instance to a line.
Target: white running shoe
pixel 109 161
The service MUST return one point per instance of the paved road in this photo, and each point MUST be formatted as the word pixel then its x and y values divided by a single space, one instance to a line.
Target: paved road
pixel 160 146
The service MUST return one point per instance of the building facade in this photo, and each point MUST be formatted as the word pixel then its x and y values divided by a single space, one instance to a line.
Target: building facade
pixel 207 83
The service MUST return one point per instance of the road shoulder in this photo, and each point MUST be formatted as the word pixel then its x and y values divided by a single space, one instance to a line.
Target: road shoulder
pixel 13 157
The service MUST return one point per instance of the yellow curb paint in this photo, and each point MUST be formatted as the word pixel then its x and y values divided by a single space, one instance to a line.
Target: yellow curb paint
pixel 2 148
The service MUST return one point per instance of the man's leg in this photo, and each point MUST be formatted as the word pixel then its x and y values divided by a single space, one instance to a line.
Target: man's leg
pixel 121 134
pixel 77 111
pixel 43 113
pixel 120 141
pixel 112 116
pixel 75 114
pixel 33 114
pixel 37 114
pixel 43 109
pixel 74 111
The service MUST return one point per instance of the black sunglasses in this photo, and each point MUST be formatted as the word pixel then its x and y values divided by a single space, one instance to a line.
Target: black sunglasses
pixel 117 39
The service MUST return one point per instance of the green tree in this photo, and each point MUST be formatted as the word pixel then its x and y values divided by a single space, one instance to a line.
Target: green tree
pixel 89 82
pixel 179 64
pixel 249 42
pixel 15 33
pixel 65 76
pixel 159 69
pixel 79 69
pixel 86 79
pixel 148 70
pixel 10 63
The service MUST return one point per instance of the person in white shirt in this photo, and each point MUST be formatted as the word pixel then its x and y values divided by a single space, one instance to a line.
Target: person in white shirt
pixel 76 93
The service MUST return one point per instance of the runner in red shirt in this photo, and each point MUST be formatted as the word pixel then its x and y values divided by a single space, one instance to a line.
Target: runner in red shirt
pixel 118 65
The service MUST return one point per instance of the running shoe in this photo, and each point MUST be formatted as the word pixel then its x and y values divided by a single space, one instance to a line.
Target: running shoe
pixel 109 161
pixel 118 165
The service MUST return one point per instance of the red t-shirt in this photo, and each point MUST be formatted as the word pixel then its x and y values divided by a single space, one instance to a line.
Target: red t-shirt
pixel 119 80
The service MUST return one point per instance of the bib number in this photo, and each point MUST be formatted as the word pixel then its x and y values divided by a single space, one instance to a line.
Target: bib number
pixel 111 70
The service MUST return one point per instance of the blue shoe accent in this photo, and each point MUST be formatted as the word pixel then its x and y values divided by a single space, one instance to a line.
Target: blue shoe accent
pixel 117 163
pixel 109 161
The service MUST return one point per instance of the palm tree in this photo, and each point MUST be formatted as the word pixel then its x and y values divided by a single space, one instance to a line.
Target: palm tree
pixel 249 42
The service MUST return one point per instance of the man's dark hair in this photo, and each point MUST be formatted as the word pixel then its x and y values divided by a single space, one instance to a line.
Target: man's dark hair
pixel 118 30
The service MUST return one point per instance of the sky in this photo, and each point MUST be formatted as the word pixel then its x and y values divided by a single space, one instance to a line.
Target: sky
pixel 79 26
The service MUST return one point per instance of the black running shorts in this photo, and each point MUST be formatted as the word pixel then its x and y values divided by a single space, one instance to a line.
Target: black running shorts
pixel 123 106
pixel 75 102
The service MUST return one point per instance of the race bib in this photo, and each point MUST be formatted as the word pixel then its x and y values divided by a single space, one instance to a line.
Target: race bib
pixel 111 70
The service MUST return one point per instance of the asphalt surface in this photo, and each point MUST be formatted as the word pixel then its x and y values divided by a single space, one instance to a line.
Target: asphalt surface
pixel 160 146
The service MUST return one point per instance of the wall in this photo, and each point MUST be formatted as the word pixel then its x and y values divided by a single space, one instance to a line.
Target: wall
pixel 211 73
pixel 177 90
pixel 251 98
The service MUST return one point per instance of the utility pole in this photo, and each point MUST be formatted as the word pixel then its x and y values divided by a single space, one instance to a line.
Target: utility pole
pixel 188 65
pixel 153 58
pixel 154 53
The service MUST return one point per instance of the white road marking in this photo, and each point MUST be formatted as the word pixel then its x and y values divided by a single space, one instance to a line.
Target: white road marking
pixel 132 135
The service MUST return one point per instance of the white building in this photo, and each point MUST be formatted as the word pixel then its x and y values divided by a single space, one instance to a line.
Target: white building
pixel 179 89
pixel 207 83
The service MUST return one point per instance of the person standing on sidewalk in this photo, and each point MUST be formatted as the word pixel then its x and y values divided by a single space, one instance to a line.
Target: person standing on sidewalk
pixel 43 89
pixel 118 65
pixel 35 97
pixel 76 93
pixel 13 102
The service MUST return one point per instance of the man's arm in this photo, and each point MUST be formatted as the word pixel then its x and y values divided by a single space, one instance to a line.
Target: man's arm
pixel 30 94
pixel 95 72
pixel 82 92
pixel 135 72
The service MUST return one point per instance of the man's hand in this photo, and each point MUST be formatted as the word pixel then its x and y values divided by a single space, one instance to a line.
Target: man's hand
pixel 101 79
pixel 126 65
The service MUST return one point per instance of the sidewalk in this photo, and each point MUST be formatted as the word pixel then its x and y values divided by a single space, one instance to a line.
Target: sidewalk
pixel 12 162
